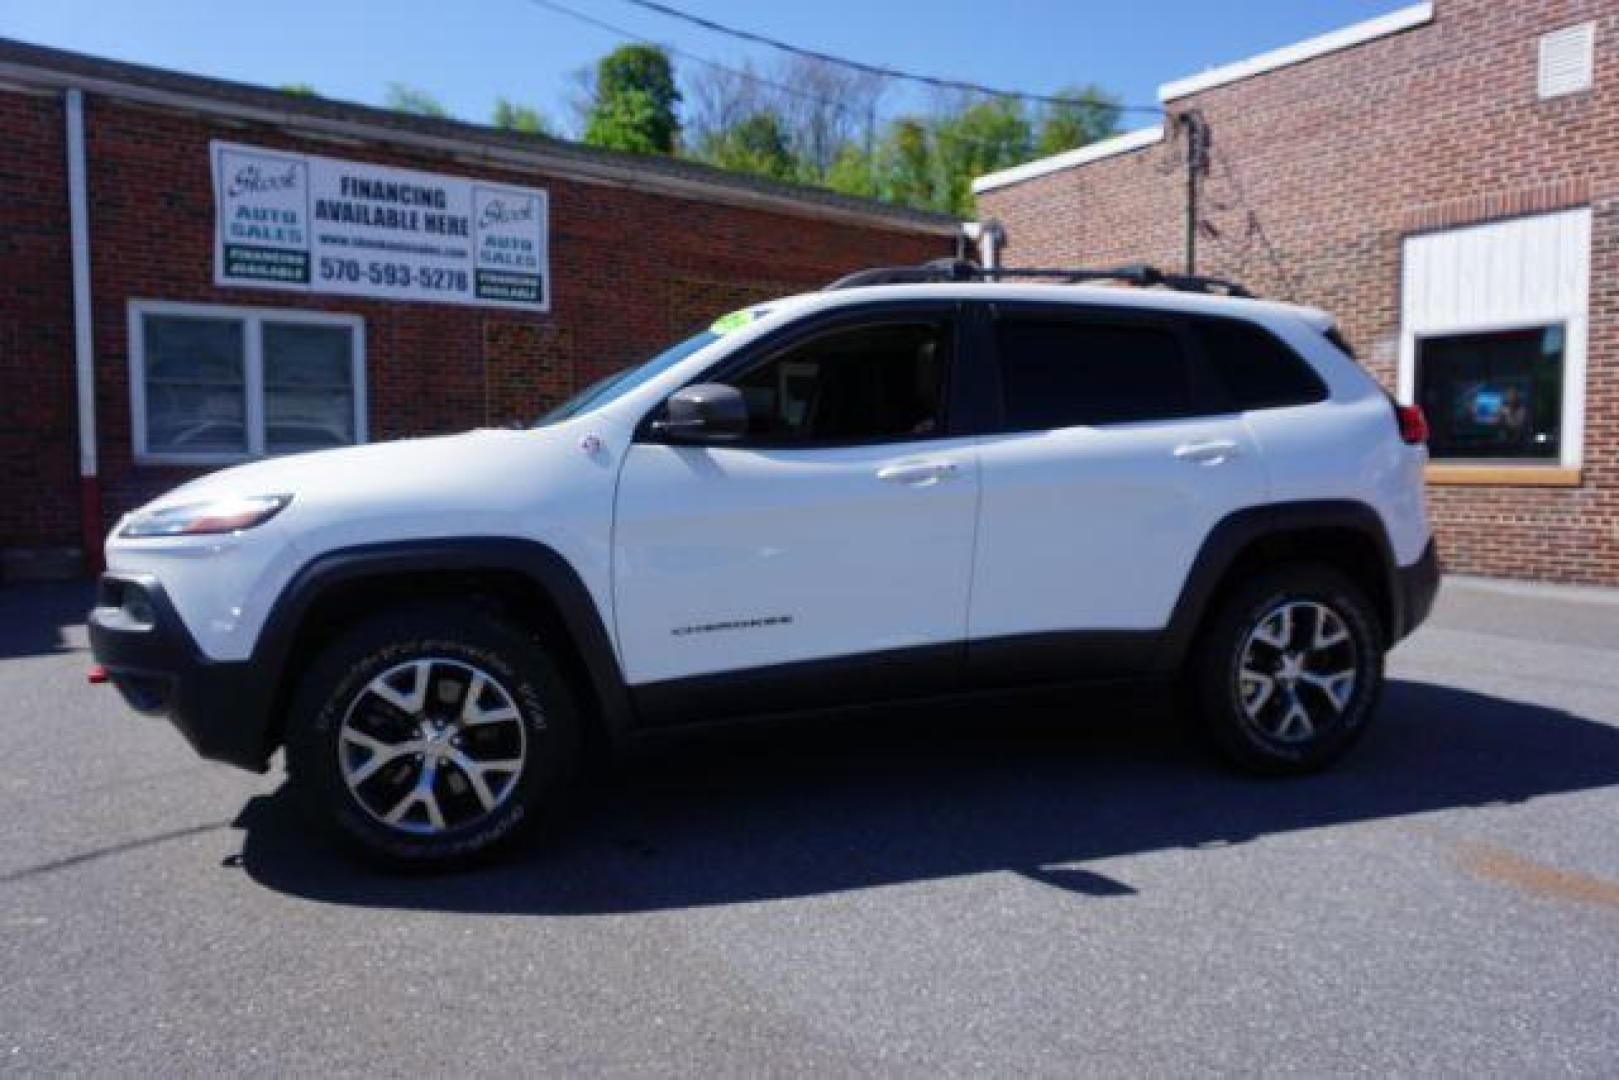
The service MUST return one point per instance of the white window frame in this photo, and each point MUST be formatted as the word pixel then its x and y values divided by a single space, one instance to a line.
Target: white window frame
pixel 253 320
pixel 1576 331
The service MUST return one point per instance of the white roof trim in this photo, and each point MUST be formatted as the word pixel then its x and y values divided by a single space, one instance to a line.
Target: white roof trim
pixel 469 150
pixel 1096 151
pixel 1349 36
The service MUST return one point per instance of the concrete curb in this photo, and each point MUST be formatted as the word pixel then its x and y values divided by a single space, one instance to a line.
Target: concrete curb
pixel 1583 594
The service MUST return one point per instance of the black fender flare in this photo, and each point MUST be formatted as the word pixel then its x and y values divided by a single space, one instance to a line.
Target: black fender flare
pixel 538 563
pixel 1238 531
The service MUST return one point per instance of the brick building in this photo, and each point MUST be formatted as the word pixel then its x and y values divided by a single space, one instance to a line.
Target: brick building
pixel 1445 179
pixel 253 272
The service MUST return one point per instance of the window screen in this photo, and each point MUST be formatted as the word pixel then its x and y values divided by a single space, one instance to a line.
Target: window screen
pixel 308 386
pixel 196 387
pixel 1255 369
pixel 866 384
pixel 1058 373
pixel 1493 395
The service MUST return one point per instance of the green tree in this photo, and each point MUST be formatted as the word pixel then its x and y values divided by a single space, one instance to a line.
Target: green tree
pixel 511 116
pixel 1064 127
pixel 635 102
pixel 713 99
pixel 903 169
pixel 302 89
pixel 755 144
pixel 415 101
pixel 979 138
pixel 832 108
pixel 852 172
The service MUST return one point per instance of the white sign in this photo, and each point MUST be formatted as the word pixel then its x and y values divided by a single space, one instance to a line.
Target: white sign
pixel 295 221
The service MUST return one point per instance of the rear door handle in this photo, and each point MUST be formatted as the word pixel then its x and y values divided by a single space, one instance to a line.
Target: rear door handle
pixel 1207 453
pixel 918 473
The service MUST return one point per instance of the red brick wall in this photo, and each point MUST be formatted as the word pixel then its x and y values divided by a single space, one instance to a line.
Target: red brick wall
pixel 38 435
pixel 630 271
pixel 1320 169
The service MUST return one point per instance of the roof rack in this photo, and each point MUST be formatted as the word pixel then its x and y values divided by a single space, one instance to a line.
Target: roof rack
pixel 942 271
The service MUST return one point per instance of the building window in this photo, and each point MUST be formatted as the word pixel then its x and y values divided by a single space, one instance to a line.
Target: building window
pixel 196 385
pixel 1566 60
pixel 1494 395
pixel 215 384
pixel 1493 342
pixel 309 379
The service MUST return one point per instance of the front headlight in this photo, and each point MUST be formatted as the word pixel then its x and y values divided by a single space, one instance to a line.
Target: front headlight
pixel 203 518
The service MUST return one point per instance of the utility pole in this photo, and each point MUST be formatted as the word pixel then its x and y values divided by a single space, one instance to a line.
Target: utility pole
pixel 1197 166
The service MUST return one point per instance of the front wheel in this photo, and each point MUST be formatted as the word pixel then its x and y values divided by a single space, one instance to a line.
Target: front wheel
pixel 1289 670
pixel 430 739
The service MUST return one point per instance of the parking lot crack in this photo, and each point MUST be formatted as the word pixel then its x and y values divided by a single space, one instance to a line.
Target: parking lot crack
pixel 94 854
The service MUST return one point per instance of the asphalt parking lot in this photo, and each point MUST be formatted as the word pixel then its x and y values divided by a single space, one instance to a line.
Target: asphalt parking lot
pixel 993 890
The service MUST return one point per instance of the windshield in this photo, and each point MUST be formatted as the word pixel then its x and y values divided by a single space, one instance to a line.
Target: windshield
pixel 619 383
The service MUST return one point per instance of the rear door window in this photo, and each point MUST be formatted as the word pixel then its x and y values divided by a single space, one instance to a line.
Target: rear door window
pixel 1058 373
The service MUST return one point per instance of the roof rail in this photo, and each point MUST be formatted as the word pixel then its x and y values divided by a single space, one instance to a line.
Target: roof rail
pixel 944 271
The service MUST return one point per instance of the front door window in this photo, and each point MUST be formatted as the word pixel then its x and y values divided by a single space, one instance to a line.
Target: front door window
pixel 867 384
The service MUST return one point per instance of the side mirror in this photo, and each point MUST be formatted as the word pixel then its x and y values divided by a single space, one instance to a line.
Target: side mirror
pixel 707 412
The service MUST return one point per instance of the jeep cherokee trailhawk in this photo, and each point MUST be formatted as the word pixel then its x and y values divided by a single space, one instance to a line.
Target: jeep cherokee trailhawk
pixel 917 483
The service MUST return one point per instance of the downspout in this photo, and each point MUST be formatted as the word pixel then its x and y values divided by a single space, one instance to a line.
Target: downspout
pixel 84 364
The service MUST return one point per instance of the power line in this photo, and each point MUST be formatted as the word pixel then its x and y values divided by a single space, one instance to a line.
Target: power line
pixel 878 69
pixel 859 116
pixel 1255 227
pixel 740 73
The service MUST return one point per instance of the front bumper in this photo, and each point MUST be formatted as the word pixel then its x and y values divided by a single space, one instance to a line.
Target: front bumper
pixel 223 709
pixel 1419 585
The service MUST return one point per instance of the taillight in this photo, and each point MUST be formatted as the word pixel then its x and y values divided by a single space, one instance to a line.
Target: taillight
pixel 1413 425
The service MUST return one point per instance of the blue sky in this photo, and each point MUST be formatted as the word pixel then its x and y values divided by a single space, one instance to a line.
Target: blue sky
pixel 468 53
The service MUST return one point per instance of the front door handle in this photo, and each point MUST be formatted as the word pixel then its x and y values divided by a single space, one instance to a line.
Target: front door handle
pixel 918 473
pixel 1214 452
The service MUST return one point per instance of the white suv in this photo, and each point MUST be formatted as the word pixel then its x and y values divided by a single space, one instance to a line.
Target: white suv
pixel 908 485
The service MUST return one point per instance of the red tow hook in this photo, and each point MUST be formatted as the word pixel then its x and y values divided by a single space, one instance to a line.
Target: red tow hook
pixel 96 675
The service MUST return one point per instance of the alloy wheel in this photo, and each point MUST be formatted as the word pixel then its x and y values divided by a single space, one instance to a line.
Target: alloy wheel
pixel 1298 670
pixel 432 744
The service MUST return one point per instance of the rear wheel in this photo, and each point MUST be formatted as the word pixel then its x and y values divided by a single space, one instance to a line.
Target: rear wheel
pixel 1289 670
pixel 430 739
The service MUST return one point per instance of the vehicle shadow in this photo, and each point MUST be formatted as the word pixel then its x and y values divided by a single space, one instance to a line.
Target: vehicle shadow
pixel 40 618
pixel 917 796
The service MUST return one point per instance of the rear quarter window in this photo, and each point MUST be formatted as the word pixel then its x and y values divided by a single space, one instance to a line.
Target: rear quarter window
pixel 1256 369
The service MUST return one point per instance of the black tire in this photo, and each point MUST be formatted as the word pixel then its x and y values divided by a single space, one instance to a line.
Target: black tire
pixel 440 649
pixel 1269 737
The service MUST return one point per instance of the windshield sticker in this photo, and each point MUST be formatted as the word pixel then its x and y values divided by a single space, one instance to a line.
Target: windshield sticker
pixel 736 320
